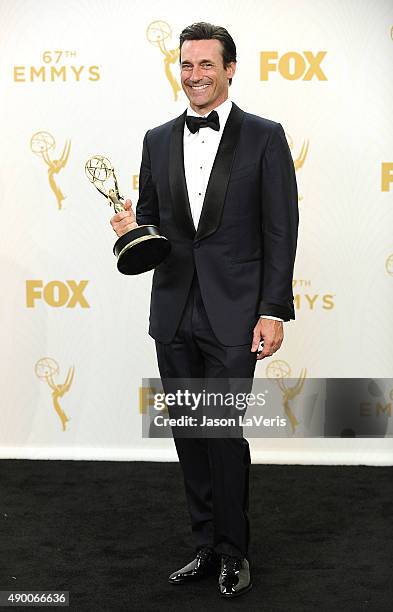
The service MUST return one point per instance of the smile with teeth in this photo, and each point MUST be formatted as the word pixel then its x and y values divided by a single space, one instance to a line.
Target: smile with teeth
pixel 199 86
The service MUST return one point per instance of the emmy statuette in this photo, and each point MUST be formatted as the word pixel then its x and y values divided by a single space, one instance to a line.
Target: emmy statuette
pixel 141 248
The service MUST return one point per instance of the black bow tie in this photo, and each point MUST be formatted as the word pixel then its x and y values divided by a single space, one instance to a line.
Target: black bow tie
pixel 195 123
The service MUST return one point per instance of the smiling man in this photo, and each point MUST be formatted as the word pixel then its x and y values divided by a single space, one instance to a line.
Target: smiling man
pixel 204 77
pixel 220 183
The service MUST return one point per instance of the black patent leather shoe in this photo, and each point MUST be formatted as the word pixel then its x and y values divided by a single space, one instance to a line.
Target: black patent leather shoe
pixel 206 563
pixel 235 577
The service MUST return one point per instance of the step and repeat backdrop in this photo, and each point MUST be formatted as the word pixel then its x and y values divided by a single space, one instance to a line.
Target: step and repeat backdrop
pixel 80 79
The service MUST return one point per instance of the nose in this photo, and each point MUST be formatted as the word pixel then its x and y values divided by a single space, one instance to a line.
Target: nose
pixel 196 74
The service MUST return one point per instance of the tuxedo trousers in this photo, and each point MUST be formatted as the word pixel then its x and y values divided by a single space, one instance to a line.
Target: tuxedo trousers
pixel 215 469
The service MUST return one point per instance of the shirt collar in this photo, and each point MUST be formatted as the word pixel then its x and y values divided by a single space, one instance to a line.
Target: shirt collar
pixel 223 111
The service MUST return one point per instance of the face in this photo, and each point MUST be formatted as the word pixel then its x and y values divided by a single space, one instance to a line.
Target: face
pixel 203 76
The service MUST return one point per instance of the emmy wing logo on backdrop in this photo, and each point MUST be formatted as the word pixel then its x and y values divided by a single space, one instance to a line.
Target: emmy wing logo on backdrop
pixel 389 264
pixel 41 144
pixel 45 369
pixel 279 370
pixel 301 158
pixel 157 33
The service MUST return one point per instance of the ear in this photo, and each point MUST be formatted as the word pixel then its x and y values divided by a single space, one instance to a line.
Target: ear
pixel 231 69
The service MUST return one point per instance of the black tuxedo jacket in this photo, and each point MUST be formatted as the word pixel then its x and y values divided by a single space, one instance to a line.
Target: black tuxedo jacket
pixel 245 244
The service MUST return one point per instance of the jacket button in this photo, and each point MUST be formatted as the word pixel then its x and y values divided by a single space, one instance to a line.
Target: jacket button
pixel 197 245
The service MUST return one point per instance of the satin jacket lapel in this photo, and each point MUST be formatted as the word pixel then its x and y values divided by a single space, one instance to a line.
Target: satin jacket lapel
pixel 177 180
pixel 213 203
pixel 218 182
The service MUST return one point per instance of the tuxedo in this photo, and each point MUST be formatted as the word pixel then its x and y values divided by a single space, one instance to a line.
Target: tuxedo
pixel 208 293
pixel 243 249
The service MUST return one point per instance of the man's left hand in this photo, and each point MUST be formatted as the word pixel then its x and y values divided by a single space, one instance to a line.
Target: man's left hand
pixel 272 334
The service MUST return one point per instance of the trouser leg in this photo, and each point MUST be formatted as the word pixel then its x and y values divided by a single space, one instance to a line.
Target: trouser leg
pixel 182 359
pixel 230 368
pixel 216 470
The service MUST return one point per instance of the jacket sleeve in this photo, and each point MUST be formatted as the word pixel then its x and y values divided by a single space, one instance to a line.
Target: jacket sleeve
pixel 147 212
pixel 280 219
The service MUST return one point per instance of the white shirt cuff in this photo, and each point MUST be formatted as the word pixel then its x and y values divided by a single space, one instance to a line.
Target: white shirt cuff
pixel 270 317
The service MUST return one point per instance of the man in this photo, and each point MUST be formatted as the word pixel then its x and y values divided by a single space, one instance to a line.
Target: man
pixel 220 184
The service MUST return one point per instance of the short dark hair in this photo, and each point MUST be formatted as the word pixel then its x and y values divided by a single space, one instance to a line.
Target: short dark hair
pixel 208 31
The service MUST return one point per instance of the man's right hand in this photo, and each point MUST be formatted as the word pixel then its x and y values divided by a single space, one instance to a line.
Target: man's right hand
pixel 125 220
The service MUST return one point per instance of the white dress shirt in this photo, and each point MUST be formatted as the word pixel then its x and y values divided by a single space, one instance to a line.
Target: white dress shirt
pixel 200 150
